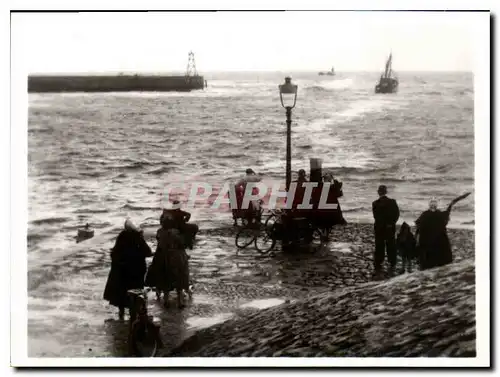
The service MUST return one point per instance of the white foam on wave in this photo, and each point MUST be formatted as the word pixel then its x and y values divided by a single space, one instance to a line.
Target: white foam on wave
pixel 317 125
pixel 39 104
pixel 319 131
pixel 37 261
pixel 318 134
pixel 338 83
pixel 362 107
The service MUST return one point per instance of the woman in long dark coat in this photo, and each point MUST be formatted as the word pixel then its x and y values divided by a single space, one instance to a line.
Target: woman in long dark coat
pixel 434 246
pixel 170 267
pixel 128 267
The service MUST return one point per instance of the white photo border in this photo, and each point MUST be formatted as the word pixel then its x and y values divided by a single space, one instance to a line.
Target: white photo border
pixel 18 187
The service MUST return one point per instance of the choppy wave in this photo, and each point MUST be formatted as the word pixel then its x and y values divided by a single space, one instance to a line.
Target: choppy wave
pixel 471 222
pixel 352 170
pixel 50 220
pixel 135 165
pixel 160 170
pixel 317 88
pixel 92 174
pixel 140 208
pixel 34 238
pixel 434 93
pixel 356 209
pixel 464 91
pixel 37 277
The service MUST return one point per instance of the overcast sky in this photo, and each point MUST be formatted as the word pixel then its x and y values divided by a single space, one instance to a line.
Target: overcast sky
pixel 287 41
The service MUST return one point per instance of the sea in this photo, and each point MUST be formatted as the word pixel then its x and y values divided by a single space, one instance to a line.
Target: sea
pixel 101 158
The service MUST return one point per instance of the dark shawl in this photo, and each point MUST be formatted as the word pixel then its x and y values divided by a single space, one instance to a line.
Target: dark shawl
pixel 433 244
pixel 128 266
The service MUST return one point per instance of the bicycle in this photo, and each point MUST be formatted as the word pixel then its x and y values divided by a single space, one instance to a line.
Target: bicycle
pixel 247 234
pixel 144 338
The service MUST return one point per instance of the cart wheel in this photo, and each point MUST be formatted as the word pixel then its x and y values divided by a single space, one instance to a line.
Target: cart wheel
pixel 269 223
pixel 245 237
pixel 317 241
pixel 265 242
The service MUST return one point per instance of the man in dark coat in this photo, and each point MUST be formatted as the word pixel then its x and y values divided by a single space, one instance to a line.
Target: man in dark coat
pixel 434 247
pixel 386 214
pixel 128 267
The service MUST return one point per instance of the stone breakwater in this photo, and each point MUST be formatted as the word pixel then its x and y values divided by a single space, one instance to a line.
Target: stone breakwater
pixel 429 313
pixel 336 310
pixel 113 83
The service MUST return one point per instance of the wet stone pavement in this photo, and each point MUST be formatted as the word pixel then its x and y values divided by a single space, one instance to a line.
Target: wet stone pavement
pixel 227 283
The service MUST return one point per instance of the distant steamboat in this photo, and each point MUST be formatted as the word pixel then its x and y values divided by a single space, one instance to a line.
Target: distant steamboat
pixel 329 73
pixel 387 83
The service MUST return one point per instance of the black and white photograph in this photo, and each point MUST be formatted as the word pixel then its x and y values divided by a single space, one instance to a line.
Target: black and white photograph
pixel 250 188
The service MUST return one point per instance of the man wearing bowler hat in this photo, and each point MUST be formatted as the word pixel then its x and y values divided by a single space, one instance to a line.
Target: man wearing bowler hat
pixel 386 214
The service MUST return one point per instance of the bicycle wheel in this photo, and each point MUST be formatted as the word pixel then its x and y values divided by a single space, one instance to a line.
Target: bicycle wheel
pixel 144 339
pixel 265 240
pixel 244 237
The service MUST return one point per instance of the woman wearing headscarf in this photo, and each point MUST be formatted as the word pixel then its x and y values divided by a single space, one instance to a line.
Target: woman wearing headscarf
pixel 434 247
pixel 128 266
pixel 169 269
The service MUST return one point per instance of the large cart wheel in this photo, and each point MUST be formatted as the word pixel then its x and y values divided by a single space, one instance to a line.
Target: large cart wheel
pixel 245 237
pixel 318 241
pixel 265 240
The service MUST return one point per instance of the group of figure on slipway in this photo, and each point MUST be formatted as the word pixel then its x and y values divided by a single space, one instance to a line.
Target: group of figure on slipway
pixel 430 246
pixel 169 269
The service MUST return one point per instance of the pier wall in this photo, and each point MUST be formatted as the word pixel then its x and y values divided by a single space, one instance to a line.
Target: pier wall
pixel 115 83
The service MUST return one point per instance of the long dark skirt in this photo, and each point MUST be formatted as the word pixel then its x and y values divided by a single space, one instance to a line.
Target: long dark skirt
pixel 435 252
pixel 169 271
pixel 120 280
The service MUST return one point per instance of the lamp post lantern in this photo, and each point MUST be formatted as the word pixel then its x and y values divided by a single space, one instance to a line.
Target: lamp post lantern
pixel 288 97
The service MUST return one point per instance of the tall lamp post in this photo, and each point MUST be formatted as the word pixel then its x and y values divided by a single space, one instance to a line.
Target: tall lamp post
pixel 288 97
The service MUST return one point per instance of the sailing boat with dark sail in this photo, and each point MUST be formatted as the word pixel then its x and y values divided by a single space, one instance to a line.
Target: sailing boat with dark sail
pixel 388 82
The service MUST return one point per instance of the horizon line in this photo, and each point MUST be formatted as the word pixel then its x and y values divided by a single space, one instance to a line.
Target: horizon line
pixel 128 72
